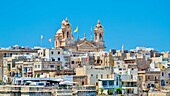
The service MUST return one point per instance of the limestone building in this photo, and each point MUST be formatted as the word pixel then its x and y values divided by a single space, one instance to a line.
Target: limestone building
pixel 65 39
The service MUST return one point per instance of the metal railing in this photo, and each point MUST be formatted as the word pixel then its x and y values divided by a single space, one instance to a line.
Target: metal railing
pixel 126 85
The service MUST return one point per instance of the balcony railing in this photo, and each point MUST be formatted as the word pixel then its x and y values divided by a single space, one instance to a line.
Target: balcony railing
pixel 110 86
pixel 49 68
pixel 87 88
pixel 23 89
pixel 129 85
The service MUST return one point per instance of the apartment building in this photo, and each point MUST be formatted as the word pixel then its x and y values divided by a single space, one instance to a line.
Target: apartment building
pixel 152 80
pixel 94 73
pixel 46 68
pixel 15 50
pixel 129 80
pixel 113 84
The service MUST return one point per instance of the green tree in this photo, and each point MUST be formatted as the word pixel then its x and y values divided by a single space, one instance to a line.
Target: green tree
pixel 38 75
pixel 110 92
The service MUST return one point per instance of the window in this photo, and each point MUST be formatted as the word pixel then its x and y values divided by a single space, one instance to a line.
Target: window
pixel 96 83
pixel 98 61
pixel 116 83
pixel 91 75
pixel 163 67
pixel 67 34
pixel 100 36
pixel 58 52
pixel 104 83
pixel 38 66
pixel 51 66
pixel 95 36
pixel 43 52
pixel 53 59
pixel 58 59
pixel 169 75
pixel 35 66
pixel 111 83
pixel 162 73
pixel 8 66
pixel 4 54
pixel 101 76
pixel 148 77
pixel 13 63
pixel 10 54
pixel 96 76
pixel 82 82
pixel 52 52
pixel 72 62
pixel 107 76
pixel 168 65
pixel 58 67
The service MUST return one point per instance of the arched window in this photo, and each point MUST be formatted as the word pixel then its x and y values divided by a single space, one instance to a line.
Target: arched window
pixel 52 52
pixel 63 35
pixel 162 83
pixel 100 36
pixel 162 73
pixel 67 34
pixel 58 59
pixel 58 52
pixel 95 36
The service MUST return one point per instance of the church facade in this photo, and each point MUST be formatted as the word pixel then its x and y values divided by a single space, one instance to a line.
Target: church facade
pixel 65 39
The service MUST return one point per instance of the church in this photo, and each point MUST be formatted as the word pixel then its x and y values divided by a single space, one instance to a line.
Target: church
pixel 64 39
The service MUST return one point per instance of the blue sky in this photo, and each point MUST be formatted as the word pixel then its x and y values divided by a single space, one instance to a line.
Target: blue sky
pixel 129 22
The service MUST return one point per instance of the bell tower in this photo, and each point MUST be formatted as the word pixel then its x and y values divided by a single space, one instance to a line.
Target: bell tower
pixel 66 30
pixel 99 34
pixel 64 35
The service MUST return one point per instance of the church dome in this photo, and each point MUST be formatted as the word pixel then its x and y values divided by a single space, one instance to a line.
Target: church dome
pixel 59 31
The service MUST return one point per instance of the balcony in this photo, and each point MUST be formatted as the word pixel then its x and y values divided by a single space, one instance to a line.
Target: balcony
pixel 23 89
pixel 46 68
pixel 108 87
pixel 52 68
pixel 85 88
pixel 126 85
pixel 129 78
pixel 64 92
